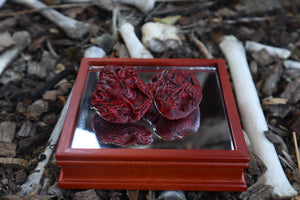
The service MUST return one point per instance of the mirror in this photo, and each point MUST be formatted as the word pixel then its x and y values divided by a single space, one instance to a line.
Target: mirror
pixel 209 121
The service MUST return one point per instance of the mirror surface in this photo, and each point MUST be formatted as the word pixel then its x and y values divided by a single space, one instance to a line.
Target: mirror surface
pixel 213 132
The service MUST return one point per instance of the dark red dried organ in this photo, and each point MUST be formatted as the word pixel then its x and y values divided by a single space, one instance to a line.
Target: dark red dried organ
pixel 176 93
pixel 152 115
pixel 120 134
pixel 176 129
pixel 121 96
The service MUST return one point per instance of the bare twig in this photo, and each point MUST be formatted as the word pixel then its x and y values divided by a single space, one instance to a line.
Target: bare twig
pixel 296 150
pixel 33 180
pixel 290 64
pixel 201 47
pixel 273 51
pixel 21 40
pixel 13 14
pixel 73 28
pixel 2 2
pixel 144 6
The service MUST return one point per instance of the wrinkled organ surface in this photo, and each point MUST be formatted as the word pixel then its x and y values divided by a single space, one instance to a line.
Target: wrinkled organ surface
pixel 177 93
pixel 121 96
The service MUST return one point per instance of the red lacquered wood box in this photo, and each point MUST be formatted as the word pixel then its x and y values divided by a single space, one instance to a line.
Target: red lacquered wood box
pixel 212 159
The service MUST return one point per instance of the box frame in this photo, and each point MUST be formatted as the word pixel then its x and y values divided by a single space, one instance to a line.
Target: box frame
pixel 153 169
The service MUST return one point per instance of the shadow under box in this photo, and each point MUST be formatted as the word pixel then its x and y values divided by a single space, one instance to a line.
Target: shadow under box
pixel 211 158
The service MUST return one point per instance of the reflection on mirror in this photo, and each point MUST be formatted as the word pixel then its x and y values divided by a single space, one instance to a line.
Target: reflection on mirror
pixel 205 127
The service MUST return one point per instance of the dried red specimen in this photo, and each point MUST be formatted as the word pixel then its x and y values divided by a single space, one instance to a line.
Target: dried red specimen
pixel 152 115
pixel 176 93
pixel 121 96
pixel 120 134
pixel 176 129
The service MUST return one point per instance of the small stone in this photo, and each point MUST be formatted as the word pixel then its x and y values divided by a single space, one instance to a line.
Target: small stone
pixel 21 107
pixel 50 95
pixel 160 37
pixel 106 41
pixel 4 181
pixel 94 52
pixel 49 63
pixel 38 108
pixel 5 41
pixel 172 195
pixel 64 89
pixel 59 68
pixel 7 131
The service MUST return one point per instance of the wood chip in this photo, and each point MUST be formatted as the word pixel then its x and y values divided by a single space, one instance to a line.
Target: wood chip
pixel 290 160
pixel 7 23
pixel 296 125
pixel 27 130
pixel 274 101
pixel 292 91
pixel 35 69
pixel 279 131
pixel 256 166
pixel 132 194
pixel 277 141
pixel 7 149
pixel 7 131
pixel 258 191
pixel 20 176
pixel 38 108
pixel 28 197
pixel 13 162
pixel 86 195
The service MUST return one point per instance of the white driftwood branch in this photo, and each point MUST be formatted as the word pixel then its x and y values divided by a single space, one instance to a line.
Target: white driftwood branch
pixel 290 64
pixel 21 40
pixel 273 51
pixel 135 47
pixel 2 2
pixel 33 180
pixel 144 5
pixel 253 118
pixel 159 37
pixel 73 28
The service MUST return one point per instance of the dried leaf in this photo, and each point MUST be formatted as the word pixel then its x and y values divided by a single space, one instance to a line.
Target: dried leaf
pixel 171 20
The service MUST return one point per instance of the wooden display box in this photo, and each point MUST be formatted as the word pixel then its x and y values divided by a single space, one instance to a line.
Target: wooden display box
pixel 199 162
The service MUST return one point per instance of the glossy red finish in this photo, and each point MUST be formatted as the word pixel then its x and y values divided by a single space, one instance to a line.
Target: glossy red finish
pixel 153 169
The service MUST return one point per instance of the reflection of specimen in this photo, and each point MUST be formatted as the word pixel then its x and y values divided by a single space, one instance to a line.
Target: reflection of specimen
pixel 121 99
pixel 176 93
pixel 176 129
pixel 120 134
pixel 121 96
pixel 173 129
